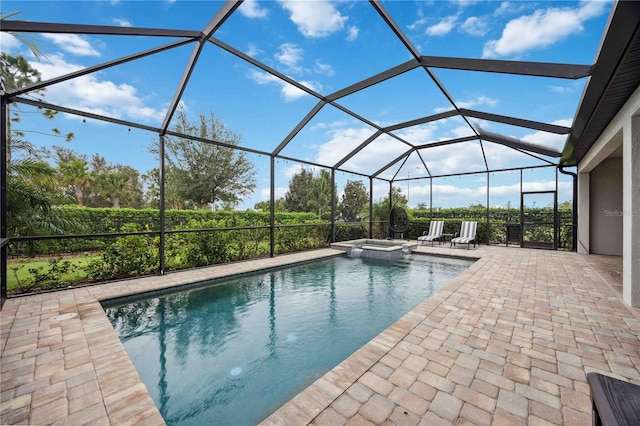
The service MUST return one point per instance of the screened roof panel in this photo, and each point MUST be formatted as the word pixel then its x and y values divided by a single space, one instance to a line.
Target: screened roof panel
pixel 122 92
pixel 457 158
pixel 495 29
pixel 532 98
pixel 536 137
pixel 328 44
pixel 150 14
pixel 328 137
pixel 248 100
pixel 410 169
pixel 502 157
pixel 376 155
pixel 435 131
pixel 401 98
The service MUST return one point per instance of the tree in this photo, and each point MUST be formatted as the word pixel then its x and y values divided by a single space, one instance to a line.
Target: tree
pixel 115 184
pixel 321 193
pixel 207 174
pixel 421 206
pixel 353 201
pixel 307 193
pixel 297 198
pixel 75 174
pixel 29 178
pixel 265 205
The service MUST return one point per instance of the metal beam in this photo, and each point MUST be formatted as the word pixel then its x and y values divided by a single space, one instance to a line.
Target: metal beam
pixel 537 69
pixel 529 124
pixel 225 11
pixel 299 127
pixel 378 78
pixel 86 114
pixel 358 149
pixel 447 142
pixel 400 157
pixel 53 28
pixel 100 67
pixel 264 67
pixel 395 28
pixel 518 144
pixel 422 120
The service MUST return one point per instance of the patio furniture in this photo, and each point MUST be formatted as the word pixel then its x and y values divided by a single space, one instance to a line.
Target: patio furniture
pixel 615 402
pixel 467 235
pixel 435 232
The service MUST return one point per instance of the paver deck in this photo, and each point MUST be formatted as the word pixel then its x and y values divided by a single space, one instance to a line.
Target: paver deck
pixel 509 341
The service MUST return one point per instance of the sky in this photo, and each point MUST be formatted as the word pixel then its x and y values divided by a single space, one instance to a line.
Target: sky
pixel 325 46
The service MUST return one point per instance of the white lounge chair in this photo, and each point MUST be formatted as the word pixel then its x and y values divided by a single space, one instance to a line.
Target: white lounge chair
pixel 468 234
pixel 434 234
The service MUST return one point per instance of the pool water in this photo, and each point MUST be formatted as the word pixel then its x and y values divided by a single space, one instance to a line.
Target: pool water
pixel 232 353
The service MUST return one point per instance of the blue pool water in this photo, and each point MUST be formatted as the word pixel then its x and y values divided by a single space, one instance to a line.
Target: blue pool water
pixel 232 353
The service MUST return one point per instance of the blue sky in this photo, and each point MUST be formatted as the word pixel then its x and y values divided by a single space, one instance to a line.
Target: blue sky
pixel 326 46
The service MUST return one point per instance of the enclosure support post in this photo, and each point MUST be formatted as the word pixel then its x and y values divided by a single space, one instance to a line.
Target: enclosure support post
pixel 161 206
pixel 431 198
pixel 488 224
pixel 370 207
pixel 556 221
pixel 4 134
pixel 574 212
pixel 272 208
pixel 521 213
pixel 391 233
pixel 333 206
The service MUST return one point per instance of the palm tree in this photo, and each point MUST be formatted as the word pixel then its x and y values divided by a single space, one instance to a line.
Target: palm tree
pixel 75 174
pixel 114 184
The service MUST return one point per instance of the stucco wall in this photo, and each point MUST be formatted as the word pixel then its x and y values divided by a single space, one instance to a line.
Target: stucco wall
pixel 605 208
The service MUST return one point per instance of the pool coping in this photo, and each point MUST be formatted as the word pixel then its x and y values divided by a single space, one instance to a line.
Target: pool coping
pixel 318 396
pixel 78 371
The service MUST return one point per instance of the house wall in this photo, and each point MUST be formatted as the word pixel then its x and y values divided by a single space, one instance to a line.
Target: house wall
pixel 622 132
pixel 605 208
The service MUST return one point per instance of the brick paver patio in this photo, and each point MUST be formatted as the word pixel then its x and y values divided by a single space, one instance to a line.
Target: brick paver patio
pixel 509 341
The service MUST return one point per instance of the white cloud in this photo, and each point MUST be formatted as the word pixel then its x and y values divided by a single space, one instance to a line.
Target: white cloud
pixel 418 23
pixel 341 142
pixel 89 93
pixel 265 193
pixel 315 19
pixel 73 43
pixel 470 103
pixel 290 55
pixel 287 91
pixel 480 100
pixel 253 50
pixel 475 26
pixel 549 139
pixel 352 33
pixel 509 8
pixel 325 69
pixel 542 28
pixel 443 27
pixel 251 9
pixel 121 22
pixel 8 42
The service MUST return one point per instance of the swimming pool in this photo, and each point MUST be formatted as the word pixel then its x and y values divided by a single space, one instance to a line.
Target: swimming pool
pixel 232 353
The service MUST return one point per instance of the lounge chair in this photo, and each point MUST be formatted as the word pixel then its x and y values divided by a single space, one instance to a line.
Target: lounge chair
pixel 467 234
pixel 434 234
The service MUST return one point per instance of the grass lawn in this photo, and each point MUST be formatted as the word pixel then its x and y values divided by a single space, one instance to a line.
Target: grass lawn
pixel 20 279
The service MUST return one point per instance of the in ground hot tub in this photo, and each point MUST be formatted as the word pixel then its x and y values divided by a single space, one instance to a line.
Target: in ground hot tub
pixel 375 249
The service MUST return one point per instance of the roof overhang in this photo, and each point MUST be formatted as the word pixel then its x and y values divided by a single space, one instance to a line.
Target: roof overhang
pixel 616 75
